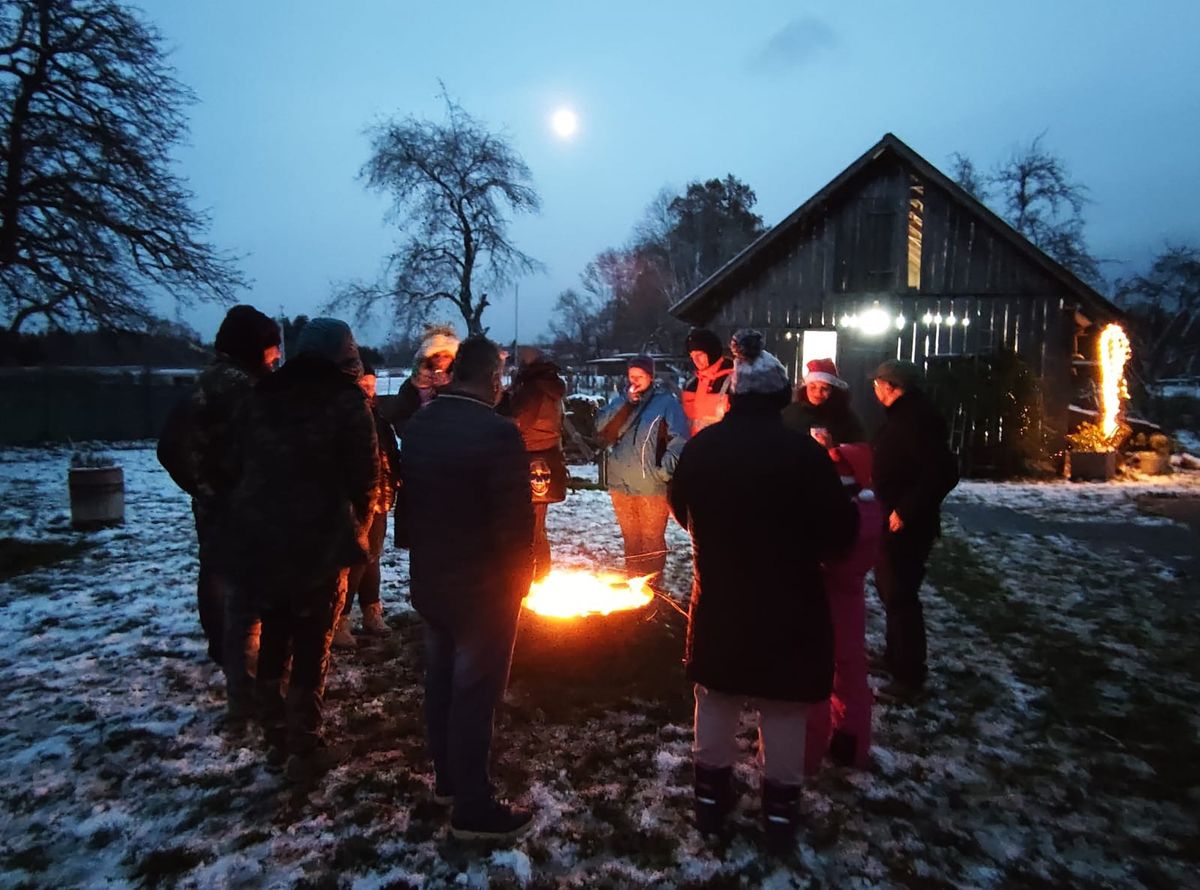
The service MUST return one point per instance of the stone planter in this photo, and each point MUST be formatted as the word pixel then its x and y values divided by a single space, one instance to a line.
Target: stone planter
pixel 1152 463
pixel 97 497
pixel 1093 466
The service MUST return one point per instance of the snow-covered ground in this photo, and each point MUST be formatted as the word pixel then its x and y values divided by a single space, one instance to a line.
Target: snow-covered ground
pixel 1058 744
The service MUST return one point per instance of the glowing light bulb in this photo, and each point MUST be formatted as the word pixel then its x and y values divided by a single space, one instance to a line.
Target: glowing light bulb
pixel 927 318
pixel 899 322
pixel 937 319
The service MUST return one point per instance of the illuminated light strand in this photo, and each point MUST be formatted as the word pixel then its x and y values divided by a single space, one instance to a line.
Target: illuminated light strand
pixel 1113 353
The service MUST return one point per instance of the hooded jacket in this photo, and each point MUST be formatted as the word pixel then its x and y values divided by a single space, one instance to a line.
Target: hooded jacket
pixel 307 467
pixel 648 437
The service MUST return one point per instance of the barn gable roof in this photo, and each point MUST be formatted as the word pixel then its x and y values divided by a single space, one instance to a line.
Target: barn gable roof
pixel 698 305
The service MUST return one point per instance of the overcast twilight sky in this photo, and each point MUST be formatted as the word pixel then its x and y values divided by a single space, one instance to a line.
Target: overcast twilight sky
pixel 783 95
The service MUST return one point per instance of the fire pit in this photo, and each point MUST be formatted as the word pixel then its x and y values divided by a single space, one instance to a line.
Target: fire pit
pixel 580 622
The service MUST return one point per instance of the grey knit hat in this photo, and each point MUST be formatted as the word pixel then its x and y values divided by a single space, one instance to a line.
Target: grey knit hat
pixel 331 338
pixel 754 369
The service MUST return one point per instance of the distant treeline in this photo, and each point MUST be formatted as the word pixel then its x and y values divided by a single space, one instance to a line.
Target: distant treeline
pixel 165 345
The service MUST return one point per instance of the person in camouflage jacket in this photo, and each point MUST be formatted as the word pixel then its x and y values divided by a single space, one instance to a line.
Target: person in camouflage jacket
pixel 307 468
pixel 195 444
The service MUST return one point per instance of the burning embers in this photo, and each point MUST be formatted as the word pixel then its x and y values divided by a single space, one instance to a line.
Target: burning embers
pixel 576 593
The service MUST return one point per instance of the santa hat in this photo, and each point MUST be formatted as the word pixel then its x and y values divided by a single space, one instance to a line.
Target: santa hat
pixel 823 370
pixel 754 369
pixel 853 462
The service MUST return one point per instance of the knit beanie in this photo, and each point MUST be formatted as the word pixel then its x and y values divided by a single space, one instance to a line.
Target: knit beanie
pixel 435 342
pixel 645 362
pixel 706 341
pixel 245 333
pixel 754 369
pixel 823 370
pixel 331 338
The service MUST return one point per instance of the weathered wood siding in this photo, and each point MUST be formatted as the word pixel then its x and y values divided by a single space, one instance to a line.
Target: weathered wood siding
pixel 855 256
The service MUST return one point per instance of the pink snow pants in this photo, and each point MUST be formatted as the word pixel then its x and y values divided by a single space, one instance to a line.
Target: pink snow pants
pixel 848 710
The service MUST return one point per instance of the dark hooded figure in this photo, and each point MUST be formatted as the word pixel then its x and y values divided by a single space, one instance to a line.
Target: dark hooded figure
pixel 195 445
pixel 307 472
pixel 759 627
pixel 535 404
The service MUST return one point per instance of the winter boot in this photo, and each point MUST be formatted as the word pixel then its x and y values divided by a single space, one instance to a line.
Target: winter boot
pixel 779 816
pixel 373 623
pixel 495 821
pixel 714 797
pixel 342 638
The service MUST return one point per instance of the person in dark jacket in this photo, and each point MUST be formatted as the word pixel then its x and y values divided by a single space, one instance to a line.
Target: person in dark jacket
pixel 466 478
pixel 194 448
pixel 299 514
pixel 914 471
pixel 431 374
pixel 535 404
pixel 821 405
pixel 764 507
pixel 646 429
pixel 706 394
pixel 364 580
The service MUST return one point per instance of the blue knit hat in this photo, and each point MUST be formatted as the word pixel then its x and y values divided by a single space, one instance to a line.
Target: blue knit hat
pixel 331 338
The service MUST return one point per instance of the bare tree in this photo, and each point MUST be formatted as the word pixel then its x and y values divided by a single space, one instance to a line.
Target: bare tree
pixel 1035 194
pixel 91 216
pixel 451 185
pixel 577 325
pixel 1164 305
pixel 964 172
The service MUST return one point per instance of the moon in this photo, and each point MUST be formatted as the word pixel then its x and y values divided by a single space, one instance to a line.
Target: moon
pixel 564 122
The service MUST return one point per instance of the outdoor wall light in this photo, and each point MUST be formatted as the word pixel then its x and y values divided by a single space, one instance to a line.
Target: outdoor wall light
pixel 937 319
pixel 899 322
pixel 951 319
pixel 875 321
pixel 927 318
pixel 966 321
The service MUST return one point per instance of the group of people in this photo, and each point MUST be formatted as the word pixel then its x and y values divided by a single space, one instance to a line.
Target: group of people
pixel 293 473
pixel 788 507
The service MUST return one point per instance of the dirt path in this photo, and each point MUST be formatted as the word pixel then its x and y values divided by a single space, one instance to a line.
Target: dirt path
pixel 1177 544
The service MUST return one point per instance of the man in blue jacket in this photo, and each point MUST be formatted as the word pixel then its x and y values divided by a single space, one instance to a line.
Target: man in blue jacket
pixel 646 429
pixel 470 528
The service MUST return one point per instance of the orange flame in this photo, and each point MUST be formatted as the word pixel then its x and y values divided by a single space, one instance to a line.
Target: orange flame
pixel 1114 353
pixel 572 593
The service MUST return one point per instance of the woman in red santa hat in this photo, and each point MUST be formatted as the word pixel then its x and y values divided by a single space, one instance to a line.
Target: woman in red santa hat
pixel 840 726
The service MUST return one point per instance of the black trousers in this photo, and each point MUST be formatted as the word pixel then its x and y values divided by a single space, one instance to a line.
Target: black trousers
pixel 898 577
pixel 301 625
pixel 210 594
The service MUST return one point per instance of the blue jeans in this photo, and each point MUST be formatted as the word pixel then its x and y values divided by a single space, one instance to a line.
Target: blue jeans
pixel 466 671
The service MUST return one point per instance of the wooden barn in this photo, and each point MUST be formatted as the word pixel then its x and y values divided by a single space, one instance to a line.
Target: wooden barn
pixel 892 259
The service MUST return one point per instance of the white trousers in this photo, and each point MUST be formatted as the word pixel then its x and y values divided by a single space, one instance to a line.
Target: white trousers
pixel 781 729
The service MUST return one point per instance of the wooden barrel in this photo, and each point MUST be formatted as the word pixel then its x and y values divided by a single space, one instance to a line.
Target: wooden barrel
pixel 97 497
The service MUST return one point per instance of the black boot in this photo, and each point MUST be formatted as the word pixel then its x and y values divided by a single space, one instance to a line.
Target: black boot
pixel 714 797
pixel 779 816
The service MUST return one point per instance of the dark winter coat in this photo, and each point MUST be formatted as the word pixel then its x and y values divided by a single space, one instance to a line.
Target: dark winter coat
pixel 469 517
pixel 914 467
pixel 648 436
pixel 221 392
pixel 407 402
pixel 764 506
pixel 834 414
pixel 535 405
pixel 307 465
